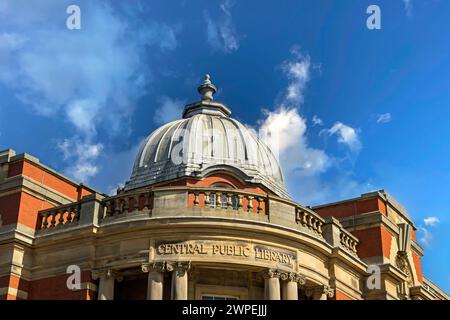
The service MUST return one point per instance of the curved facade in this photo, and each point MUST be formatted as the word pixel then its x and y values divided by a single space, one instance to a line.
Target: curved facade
pixel 216 225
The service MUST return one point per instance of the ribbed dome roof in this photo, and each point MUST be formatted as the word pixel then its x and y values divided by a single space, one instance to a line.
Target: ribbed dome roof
pixel 206 140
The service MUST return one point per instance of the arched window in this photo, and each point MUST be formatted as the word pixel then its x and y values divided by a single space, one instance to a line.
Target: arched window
pixel 223 198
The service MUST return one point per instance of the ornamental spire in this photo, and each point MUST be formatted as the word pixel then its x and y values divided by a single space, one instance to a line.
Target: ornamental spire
pixel 207 89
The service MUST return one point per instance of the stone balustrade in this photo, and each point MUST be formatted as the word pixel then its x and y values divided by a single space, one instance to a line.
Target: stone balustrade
pixel 227 199
pixel 95 209
pixel 58 217
pixel 309 220
pixel 122 204
pixel 348 241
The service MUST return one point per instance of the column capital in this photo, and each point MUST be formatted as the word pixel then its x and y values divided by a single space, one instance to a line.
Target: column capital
pixel 318 291
pixel 106 273
pixel 179 267
pixel 292 277
pixel 153 266
pixel 270 273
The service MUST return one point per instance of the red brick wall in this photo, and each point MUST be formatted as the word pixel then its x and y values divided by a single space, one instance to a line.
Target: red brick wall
pixel 47 178
pixel 215 178
pixel 55 288
pixel 373 242
pixel 23 208
pixel 341 296
pixel 29 207
pixel 351 208
pixel 13 282
pixel 9 208
pixel 418 266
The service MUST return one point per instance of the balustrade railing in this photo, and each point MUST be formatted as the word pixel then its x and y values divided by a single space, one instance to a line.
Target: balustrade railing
pixel 122 204
pixel 59 216
pixel 227 199
pixel 309 220
pixel 163 201
pixel 348 241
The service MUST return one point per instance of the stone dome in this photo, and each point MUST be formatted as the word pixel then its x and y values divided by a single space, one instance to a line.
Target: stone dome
pixel 206 140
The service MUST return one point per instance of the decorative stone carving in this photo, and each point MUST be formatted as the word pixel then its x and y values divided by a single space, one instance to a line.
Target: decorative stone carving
pixel 180 268
pixel 155 266
pixel 270 273
pixel 293 277
pixel 106 273
pixel 318 292
pixel 283 275
pixel 401 260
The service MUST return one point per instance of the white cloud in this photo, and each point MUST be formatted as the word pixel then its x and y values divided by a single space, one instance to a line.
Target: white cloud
pixel 90 78
pixel 426 237
pixel 408 7
pixel 284 131
pixel 384 118
pixel 304 166
pixel 221 33
pixel 431 221
pixel 297 70
pixel 317 121
pixel 346 135
pixel 82 155
pixel 168 110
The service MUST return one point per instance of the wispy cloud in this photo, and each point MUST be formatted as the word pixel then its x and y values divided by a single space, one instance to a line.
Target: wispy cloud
pixel 426 237
pixel 426 234
pixel 431 221
pixel 317 121
pixel 408 7
pixel 346 135
pixel 384 118
pixel 168 110
pixel 221 32
pixel 83 156
pixel 297 70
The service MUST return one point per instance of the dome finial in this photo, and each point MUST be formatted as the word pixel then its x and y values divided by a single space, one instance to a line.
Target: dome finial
pixel 207 89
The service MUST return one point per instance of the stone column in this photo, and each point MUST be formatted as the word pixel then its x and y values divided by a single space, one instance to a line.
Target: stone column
pixel 179 279
pixel 106 283
pixel 155 280
pixel 272 285
pixel 290 285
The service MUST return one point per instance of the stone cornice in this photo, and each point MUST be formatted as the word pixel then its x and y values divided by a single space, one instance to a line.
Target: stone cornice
pixel 416 247
pixel 368 220
pixel 17 232
pixel 23 183
pixel 35 161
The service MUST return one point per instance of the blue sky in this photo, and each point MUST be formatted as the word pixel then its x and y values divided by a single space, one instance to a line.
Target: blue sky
pixel 357 109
